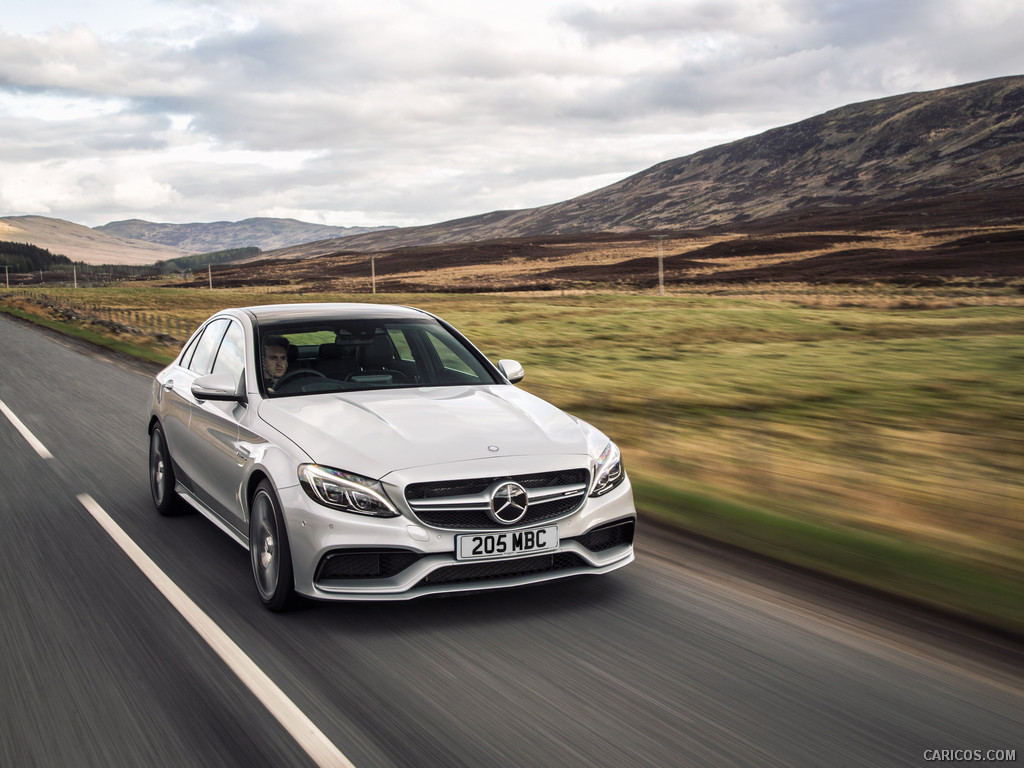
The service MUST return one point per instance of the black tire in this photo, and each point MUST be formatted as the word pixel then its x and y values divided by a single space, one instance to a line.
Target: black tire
pixel 161 475
pixel 269 552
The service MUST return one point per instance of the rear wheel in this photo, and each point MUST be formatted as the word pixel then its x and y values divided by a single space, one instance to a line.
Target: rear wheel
pixel 161 475
pixel 268 550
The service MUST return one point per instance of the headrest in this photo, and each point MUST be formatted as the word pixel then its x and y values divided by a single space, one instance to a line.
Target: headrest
pixel 379 353
pixel 331 351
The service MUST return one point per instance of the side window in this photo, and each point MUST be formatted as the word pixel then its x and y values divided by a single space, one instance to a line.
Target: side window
pixel 189 350
pixel 231 356
pixel 206 348
pixel 453 358
pixel 401 344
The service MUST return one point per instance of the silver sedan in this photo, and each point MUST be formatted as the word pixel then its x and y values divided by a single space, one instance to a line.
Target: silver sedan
pixel 371 452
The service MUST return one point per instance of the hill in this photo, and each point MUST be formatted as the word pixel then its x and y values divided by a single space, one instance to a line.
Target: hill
pixel 263 233
pixel 137 242
pixel 947 159
pixel 961 257
pixel 898 160
pixel 80 243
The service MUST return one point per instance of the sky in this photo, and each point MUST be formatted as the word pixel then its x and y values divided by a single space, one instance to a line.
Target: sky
pixel 406 112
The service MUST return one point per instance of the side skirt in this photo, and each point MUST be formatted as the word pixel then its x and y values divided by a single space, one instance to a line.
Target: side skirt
pixel 210 515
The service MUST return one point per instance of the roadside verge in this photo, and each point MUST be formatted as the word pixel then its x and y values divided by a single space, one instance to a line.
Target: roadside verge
pixel 905 569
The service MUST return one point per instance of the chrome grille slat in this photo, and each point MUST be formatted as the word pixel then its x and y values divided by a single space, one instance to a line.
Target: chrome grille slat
pixel 454 502
pixel 550 495
pixel 481 503
pixel 544 495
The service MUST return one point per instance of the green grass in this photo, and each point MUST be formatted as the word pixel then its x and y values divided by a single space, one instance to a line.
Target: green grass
pixel 877 436
pixel 891 564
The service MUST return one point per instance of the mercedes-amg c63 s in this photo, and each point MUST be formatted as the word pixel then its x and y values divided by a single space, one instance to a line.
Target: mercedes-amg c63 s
pixel 371 452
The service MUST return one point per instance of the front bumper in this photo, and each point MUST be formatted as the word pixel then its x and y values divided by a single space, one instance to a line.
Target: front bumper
pixel 340 556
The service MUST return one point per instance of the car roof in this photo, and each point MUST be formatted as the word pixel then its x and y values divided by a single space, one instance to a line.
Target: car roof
pixel 331 311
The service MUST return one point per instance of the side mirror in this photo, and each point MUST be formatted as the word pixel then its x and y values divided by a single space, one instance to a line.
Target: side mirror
pixel 218 386
pixel 511 370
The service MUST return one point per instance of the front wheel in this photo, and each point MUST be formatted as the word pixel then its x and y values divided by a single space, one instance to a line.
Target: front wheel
pixel 268 550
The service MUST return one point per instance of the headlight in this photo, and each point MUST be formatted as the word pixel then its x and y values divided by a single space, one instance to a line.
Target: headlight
pixel 345 491
pixel 609 472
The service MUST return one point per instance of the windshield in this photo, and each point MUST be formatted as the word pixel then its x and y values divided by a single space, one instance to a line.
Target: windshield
pixel 343 355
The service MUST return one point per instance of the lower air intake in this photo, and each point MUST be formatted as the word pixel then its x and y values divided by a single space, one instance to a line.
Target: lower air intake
pixel 608 536
pixel 364 564
pixel 504 569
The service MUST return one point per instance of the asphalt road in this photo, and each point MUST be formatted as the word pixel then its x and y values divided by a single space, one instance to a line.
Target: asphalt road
pixel 688 657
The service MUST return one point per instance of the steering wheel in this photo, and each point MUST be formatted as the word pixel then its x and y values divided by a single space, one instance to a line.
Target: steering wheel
pixel 296 374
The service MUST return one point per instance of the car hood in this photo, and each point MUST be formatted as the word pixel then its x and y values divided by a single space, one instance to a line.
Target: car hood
pixel 376 432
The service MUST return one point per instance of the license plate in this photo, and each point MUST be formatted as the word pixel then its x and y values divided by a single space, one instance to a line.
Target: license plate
pixel 475 546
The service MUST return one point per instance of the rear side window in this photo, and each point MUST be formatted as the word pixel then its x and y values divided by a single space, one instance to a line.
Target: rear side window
pixel 190 349
pixel 206 347
pixel 231 357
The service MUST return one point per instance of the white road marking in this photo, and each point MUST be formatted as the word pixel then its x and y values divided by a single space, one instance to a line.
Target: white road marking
pixel 25 432
pixel 302 729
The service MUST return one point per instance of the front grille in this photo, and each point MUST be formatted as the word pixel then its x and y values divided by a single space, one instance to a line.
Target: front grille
pixel 364 564
pixel 504 569
pixel 608 536
pixel 463 504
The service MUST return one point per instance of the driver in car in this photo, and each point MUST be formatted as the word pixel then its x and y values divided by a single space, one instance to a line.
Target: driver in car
pixel 275 361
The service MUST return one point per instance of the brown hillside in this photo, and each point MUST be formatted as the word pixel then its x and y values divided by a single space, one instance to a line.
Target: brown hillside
pixel 900 161
pixel 81 243
pixel 990 255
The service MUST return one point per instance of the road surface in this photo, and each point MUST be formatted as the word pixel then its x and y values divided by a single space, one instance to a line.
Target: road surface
pixel 692 656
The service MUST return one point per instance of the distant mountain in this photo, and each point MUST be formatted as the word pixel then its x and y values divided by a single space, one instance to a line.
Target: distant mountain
pixel 141 242
pixel 263 233
pixel 81 243
pixel 899 160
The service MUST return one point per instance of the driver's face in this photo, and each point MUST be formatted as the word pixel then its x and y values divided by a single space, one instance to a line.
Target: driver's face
pixel 275 362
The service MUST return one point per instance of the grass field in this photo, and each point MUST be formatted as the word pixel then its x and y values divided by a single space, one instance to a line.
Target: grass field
pixel 873 433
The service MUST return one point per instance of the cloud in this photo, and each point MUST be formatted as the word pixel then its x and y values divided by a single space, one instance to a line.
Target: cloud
pixel 414 111
pixel 670 20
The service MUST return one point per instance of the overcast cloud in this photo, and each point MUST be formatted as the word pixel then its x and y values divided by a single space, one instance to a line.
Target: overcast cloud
pixel 417 111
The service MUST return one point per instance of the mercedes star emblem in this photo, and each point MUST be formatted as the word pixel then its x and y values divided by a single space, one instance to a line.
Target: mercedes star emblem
pixel 508 503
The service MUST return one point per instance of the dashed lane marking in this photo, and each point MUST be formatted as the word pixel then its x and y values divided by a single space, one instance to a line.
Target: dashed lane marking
pixel 310 738
pixel 25 432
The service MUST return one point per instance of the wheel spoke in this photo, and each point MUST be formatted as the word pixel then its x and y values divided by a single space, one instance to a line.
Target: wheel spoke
pixel 156 468
pixel 264 548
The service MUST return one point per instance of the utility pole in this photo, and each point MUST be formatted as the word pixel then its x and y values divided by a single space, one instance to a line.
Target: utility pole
pixel 7 275
pixel 209 275
pixel 74 274
pixel 373 273
pixel 661 264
